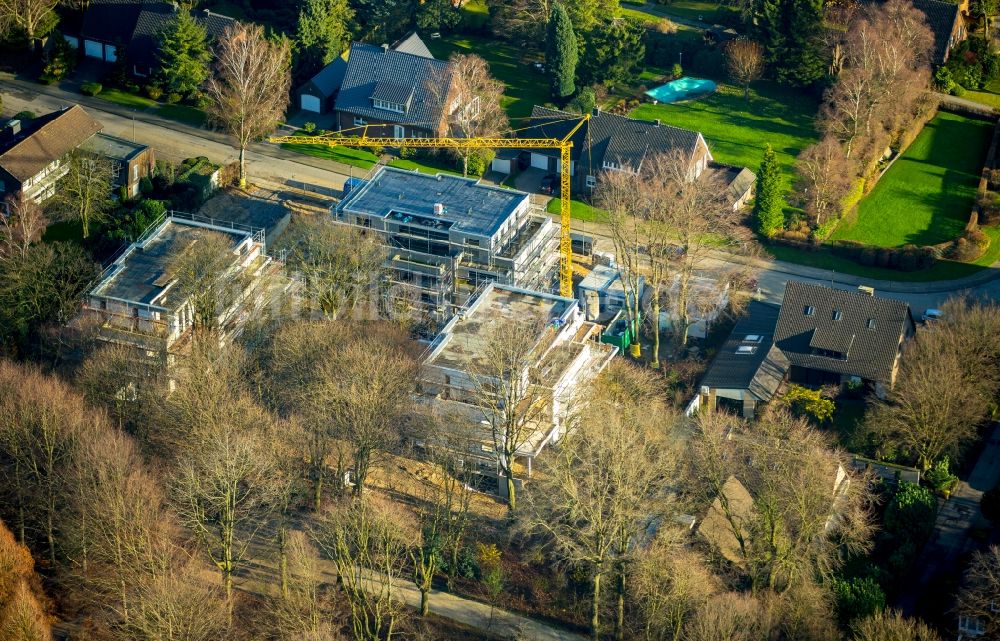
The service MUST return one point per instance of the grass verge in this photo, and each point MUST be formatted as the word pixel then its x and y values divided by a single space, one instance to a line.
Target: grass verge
pixel 579 211
pixel 183 113
pixel 361 158
pixel 424 166
pixel 125 99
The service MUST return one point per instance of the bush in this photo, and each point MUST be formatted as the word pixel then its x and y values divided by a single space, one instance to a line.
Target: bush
pixel 131 87
pixel 479 161
pixel 990 504
pixel 940 477
pixel 584 102
pixel 809 403
pixel 677 70
pixel 145 185
pixel 309 127
pixel 857 598
pixel 173 98
pixel 943 80
pixel 407 152
pixel 91 88
pixel 154 91
pixel 910 513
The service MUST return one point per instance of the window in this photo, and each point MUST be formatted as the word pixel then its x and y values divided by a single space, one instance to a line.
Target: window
pixel 837 315
pixel 591 181
pixel 359 121
pixel 809 310
pixel 135 172
pixel 870 324
pixel 746 349
pixel 388 106
pixel 472 242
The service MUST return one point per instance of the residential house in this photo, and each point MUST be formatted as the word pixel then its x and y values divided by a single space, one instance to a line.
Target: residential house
pixel 32 153
pixel 317 95
pixel 115 28
pixel 739 181
pixel 947 22
pixel 748 369
pixel 606 142
pixel 565 356
pixel 838 336
pixel 446 235
pixel 136 301
pixel 400 92
pixel 131 161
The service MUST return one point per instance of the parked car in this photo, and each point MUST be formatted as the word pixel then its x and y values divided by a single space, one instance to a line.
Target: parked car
pixel 550 185
pixel 932 315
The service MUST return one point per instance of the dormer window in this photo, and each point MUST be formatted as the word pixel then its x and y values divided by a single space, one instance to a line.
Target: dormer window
pixel 388 106
pixel 809 310
pixel 837 315
pixel 610 164
pixel 871 323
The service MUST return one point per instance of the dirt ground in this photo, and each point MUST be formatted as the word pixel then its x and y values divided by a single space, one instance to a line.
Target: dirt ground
pixel 266 207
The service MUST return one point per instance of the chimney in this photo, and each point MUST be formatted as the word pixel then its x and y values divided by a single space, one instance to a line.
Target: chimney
pixel 657 122
pixel 385 46
pixel 865 289
pixel 597 111
pixel 13 127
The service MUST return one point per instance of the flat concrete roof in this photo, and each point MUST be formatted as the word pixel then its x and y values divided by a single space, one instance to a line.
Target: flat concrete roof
pixel 464 339
pixel 112 147
pixel 603 279
pixel 470 207
pixel 139 276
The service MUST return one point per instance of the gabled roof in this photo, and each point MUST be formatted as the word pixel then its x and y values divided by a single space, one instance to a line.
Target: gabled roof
pixel 111 20
pixel 716 528
pixel 375 71
pixel 412 43
pixel 329 78
pixel 865 330
pixel 607 137
pixel 45 139
pixel 157 16
pixel 941 18
pixel 760 366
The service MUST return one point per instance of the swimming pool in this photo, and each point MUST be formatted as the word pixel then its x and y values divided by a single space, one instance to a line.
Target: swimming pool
pixel 681 89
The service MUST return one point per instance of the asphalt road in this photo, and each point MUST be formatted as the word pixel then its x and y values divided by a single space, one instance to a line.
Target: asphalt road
pixel 270 163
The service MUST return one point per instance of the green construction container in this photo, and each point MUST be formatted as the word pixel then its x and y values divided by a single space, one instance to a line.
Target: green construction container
pixel 619 332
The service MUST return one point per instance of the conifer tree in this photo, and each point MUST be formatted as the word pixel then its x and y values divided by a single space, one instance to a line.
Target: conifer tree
pixel 561 53
pixel 768 209
pixel 322 34
pixel 183 55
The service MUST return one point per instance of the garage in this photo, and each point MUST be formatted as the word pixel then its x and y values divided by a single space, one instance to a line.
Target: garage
pixel 93 49
pixel 310 103
pixel 539 161
pixel 501 165
pixel 110 53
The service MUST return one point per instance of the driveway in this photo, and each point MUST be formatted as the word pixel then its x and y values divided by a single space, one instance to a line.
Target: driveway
pixel 530 180
pixel 957 519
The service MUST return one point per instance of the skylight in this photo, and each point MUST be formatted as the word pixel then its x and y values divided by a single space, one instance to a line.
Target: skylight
pixel 753 338
pixel 746 349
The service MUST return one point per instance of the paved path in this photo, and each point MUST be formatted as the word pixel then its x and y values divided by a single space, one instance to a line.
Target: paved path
pixel 262 579
pixel 175 140
pixel 948 99
pixel 957 518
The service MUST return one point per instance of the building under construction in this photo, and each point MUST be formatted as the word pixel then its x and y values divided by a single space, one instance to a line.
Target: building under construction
pixel 448 235
pixel 137 303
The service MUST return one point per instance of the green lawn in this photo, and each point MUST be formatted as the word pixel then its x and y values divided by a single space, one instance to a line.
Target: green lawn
pixel 709 12
pixel 426 166
pixel 926 196
pixel 943 270
pixel 737 131
pixel 509 64
pixel 990 95
pixel 348 155
pixel 579 211
pixel 125 99
pixel 182 113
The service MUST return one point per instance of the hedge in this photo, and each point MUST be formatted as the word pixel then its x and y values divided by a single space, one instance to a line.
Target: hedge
pixel 91 88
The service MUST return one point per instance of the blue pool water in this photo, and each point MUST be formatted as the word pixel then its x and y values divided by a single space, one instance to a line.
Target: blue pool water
pixel 681 89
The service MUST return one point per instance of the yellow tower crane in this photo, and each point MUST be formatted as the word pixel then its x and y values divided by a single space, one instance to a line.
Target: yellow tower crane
pixel 564 145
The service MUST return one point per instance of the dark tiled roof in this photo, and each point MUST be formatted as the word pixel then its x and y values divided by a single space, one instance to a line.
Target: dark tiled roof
pixel 111 20
pixel 371 69
pixel 761 370
pixel 609 137
pixel 157 16
pixel 391 92
pixel 941 17
pixel 45 139
pixel 328 80
pixel 870 351
pixel 412 44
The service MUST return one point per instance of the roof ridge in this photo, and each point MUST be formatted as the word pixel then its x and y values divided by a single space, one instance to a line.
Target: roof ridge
pixel 41 128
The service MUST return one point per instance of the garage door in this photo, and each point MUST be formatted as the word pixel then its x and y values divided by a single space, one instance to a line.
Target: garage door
pixel 501 165
pixel 539 161
pixel 310 103
pixel 110 53
pixel 93 49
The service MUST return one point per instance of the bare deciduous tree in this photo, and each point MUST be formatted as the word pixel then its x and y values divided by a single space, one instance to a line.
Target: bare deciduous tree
pixel 604 483
pixel 730 615
pixel 783 537
pixel 745 61
pixel 23 224
pixel 84 193
pixel 824 178
pixel 510 402
pixel 893 626
pixel 477 100
pixel 304 611
pixel 980 594
pixel 179 606
pixel 33 18
pixel 249 86
pixel 341 268
pixel 203 270
pixel 120 379
pixel 22 614
pixel 369 542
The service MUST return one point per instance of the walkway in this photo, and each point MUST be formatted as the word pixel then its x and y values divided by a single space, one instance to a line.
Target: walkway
pixel 957 519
